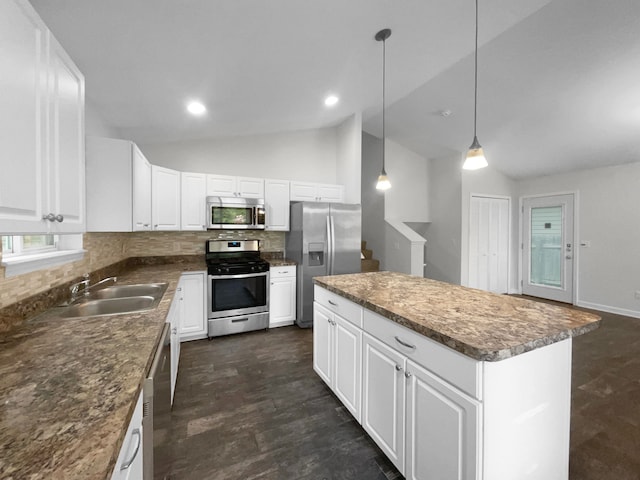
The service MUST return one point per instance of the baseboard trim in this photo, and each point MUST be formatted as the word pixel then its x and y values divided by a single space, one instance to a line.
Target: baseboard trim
pixel 606 308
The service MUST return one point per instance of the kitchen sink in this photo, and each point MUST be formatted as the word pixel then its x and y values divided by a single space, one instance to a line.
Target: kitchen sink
pixel 119 291
pixel 110 306
pixel 117 299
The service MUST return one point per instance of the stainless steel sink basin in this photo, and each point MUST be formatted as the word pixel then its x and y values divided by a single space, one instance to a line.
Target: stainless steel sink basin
pixel 119 291
pixel 110 306
pixel 117 299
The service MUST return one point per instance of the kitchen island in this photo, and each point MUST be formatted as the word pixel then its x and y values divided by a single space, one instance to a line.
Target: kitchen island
pixel 450 382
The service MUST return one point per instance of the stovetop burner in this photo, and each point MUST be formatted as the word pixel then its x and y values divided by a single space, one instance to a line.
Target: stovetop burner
pixel 234 257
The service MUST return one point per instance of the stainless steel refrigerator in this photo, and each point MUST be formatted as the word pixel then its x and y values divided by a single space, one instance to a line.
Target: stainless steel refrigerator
pixel 324 239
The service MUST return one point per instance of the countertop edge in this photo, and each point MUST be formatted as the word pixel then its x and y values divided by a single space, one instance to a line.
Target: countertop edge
pixel 488 355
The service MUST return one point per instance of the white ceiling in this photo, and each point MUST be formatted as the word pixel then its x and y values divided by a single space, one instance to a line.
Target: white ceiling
pixel 558 79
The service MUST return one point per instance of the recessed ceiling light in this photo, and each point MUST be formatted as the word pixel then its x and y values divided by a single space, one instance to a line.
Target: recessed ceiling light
pixel 196 108
pixel 331 100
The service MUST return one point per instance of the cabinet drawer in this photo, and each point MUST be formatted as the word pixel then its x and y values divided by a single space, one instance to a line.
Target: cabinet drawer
pixel 454 367
pixel 283 271
pixel 345 308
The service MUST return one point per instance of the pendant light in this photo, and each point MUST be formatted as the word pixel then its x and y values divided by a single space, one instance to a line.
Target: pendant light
pixel 475 156
pixel 383 180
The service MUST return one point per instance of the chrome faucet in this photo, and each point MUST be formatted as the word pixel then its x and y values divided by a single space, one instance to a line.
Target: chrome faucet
pixel 75 288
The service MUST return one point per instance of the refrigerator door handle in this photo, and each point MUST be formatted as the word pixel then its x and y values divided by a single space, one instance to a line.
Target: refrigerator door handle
pixel 329 248
pixel 333 246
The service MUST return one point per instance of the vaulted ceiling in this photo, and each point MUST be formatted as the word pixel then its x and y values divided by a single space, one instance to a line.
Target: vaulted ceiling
pixel 558 86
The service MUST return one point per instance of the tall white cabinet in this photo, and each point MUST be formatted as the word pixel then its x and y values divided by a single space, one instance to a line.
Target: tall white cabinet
pixel 41 128
pixel 118 186
pixel 193 201
pixel 276 199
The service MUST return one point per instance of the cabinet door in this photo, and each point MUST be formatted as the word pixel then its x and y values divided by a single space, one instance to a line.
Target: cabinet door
pixel 347 383
pixel 221 186
pixel 174 320
pixel 193 205
pixel 66 143
pixel 131 451
pixel 442 428
pixel 383 397
pixel 248 187
pixel 276 199
pixel 282 300
pixel 141 191
pixel 330 193
pixel 22 122
pixel 303 192
pixel 193 315
pixel 322 342
pixel 165 188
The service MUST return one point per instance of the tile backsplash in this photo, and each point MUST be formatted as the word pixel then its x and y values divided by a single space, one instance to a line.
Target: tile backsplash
pixel 104 249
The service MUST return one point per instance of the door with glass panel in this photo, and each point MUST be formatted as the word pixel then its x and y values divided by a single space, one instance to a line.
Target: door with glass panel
pixel 548 248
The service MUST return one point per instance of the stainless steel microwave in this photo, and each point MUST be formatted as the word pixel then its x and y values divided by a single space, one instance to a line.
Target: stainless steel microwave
pixel 234 213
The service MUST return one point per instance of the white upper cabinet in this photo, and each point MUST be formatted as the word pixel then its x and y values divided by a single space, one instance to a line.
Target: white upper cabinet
pixel 276 200
pixel 316 192
pixel 141 191
pixel 118 186
pixel 165 198
pixel 228 186
pixel 41 128
pixel 194 197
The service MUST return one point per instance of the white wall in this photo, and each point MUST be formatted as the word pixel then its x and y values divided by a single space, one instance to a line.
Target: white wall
pixel 408 198
pixel 608 202
pixel 443 257
pixel 373 225
pixel 94 124
pixel 307 155
pixel 349 157
pixel 488 181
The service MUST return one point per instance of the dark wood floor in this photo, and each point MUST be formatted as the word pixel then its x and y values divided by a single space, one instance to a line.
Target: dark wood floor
pixel 250 406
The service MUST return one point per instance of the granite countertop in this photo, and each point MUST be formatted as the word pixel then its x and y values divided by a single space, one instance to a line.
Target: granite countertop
pixel 68 387
pixel 482 325
pixel 280 262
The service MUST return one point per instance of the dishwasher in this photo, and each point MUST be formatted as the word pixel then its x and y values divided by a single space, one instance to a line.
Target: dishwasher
pixel 156 416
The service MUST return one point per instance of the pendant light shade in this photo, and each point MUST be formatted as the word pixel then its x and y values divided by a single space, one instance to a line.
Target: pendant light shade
pixel 383 180
pixel 475 156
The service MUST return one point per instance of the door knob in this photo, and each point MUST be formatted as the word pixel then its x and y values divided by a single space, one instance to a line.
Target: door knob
pixel 568 257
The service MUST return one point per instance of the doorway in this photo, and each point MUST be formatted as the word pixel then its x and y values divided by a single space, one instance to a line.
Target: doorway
pixel 548 247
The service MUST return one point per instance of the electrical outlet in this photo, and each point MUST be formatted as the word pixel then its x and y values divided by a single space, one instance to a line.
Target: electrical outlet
pixel 637 295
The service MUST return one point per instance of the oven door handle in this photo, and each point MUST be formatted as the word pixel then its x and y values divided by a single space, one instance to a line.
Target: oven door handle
pixel 244 275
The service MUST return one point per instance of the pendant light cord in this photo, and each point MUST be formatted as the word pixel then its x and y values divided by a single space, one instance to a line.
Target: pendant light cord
pixel 475 98
pixel 384 56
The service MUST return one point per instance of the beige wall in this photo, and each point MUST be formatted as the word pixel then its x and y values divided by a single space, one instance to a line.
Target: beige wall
pixel 104 249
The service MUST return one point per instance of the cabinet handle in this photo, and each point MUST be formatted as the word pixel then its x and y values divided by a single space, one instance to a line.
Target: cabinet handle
pixel 128 463
pixel 51 217
pixel 59 218
pixel 398 368
pixel 408 374
pixel 404 344
pixel 332 303
pixel 174 330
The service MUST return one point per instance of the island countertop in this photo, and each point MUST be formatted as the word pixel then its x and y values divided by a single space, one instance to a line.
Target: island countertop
pixel 482 325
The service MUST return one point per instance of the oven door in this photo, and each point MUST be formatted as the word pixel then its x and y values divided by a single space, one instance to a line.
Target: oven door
pixel 230 295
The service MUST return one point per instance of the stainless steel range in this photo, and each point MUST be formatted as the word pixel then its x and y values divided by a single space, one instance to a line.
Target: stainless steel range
pixel 238 287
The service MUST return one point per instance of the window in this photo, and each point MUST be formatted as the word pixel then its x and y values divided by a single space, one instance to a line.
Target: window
pixel 28 244
pixel 28 253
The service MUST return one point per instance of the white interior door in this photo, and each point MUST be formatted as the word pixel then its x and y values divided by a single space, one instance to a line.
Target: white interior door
pixel 547 258
pixel 489 244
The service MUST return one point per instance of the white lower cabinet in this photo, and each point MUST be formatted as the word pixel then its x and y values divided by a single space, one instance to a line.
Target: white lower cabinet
pixel 282 296
pixel 129 465
pixel 174 319
pixel 193 315
pixel 383 398
pixel 337 346
pixel 442 428
pixel 428 427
